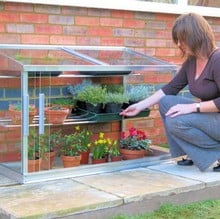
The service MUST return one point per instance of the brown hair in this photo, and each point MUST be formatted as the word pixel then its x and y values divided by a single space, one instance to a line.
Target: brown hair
pixel 193 30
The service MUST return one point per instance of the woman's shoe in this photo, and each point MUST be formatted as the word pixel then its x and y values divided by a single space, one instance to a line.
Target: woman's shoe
pixel 217 168
pixel 186 162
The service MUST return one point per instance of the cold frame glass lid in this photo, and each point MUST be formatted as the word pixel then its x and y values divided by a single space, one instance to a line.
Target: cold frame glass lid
pixel 81 59
pixel 119 57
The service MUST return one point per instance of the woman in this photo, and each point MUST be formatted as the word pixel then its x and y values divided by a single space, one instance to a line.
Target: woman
pixel 192 127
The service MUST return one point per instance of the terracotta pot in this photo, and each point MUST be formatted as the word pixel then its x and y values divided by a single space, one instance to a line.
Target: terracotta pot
pixel 48 160
pixel 116 158
pixel 16 115
pixel 56 116
pixel 34 165
pixel 69 107
pixel 71 161
pixel 132 154
pixel 101 160
pixel 84 157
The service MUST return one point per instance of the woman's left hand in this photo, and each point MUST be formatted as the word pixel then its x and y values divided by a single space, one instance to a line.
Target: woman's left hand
pixel 181 109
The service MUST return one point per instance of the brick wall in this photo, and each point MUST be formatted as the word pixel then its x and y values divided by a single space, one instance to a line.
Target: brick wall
pixel 149 33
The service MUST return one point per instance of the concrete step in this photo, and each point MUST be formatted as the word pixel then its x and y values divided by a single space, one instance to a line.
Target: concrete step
pixel 104 195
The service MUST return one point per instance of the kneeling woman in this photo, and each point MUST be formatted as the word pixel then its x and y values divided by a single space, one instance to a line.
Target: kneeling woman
pixel 192 127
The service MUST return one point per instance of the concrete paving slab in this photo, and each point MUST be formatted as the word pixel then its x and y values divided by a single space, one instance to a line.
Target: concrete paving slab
pixel 52 199
pixel 209 177
pixel 142 183
pixel 5 181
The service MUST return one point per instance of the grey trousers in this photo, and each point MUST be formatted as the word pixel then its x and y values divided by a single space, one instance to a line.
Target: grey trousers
pixel 196 134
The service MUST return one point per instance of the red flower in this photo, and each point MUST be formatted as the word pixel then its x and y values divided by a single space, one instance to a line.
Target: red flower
pixel 123 135
pixel 132 132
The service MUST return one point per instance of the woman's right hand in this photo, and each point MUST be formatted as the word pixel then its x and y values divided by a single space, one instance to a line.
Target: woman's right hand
pixel 132 110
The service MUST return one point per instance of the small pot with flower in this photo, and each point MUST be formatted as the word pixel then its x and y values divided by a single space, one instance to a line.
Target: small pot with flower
pixel 35 151
pixel 83 137
pixel 50 142
pixel 15 112
pixel 134 145
pixel 71 151
pixel 93 96
pixel 114 152
pixel 99 149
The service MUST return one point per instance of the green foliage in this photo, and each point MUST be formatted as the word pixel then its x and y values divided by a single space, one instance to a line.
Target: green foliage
pixel 115 88
pixel 114 149
pixel 116 98
pixel 93 94
pixel 100 147
pixel 71 146
pixel 83 137
pixel 18 106
pixel 63 101
pixel 75 89
pixel 137 92
pixel 35 148
pixel 204 209
pixel 39 144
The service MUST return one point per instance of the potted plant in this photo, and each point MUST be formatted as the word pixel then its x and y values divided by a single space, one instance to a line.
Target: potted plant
pixel 114 102
pixel 100 149
pixel 15 112
pixel 56 114
pixel 114 152
pixel 35 151
pixel 83 137
pixel 137 93
pixel 134 145
pixel 94 97
pixel 49 141
pixel 77 88
pixel 71 151
pixel 115 88
pixel 65 103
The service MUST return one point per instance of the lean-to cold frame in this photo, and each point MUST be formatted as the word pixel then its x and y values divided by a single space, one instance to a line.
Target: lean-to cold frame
pixel 25 61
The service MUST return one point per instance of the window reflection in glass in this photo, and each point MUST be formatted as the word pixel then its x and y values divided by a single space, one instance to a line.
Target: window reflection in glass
pixel 206 3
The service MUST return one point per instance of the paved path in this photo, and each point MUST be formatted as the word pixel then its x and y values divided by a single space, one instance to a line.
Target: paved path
pixel 104 195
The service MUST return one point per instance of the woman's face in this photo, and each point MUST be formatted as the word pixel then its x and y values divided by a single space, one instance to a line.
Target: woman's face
pixel 183 46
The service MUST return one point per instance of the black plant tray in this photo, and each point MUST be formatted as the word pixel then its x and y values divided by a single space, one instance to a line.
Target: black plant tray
pixel 105 117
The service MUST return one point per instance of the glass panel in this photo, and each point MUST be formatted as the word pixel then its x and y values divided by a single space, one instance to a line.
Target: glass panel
pixel 206 3
pixel 161 1
pixel 119 57
pixel 43 57
pixel 10 117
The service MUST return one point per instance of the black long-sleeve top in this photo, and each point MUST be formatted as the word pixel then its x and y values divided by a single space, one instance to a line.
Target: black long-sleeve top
pixel 206 87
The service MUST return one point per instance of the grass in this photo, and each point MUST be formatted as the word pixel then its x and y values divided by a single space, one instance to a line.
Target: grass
pixel 200 210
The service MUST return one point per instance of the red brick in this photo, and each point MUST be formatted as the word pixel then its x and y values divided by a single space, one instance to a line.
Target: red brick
pixel 165 52
pixel 63 40
pixel 34 18
pixel 2 28
pixel 99 31
pixel 19 7
pixel 87 41
pixel 131 23
pixel 112 41
pixel 9 17
pixel 10 38
pixel 122 14
pixel 87 21
pixel 113 22
pixel 34 39
pixel 47 28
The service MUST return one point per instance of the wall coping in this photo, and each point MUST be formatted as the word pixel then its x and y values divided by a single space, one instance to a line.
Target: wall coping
pixel 130 5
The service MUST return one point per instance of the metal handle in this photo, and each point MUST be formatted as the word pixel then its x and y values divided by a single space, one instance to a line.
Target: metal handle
pixel 25 115
pixel 41 114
